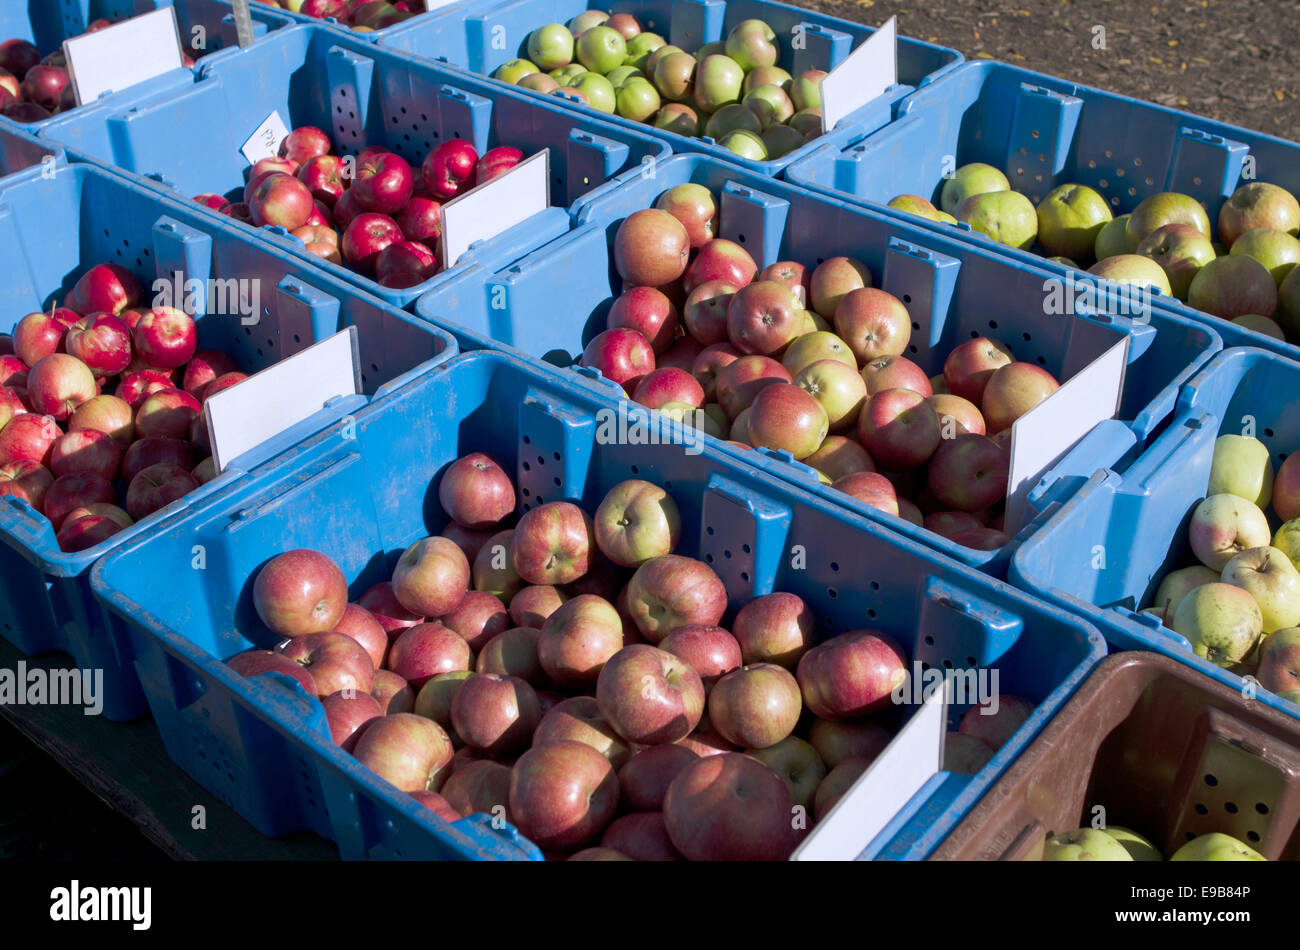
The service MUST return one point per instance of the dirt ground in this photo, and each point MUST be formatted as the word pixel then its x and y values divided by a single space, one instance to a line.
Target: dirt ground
pixel 1236 61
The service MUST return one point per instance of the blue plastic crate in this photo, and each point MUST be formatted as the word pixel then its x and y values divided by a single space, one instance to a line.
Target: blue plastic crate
pixel 362 95
pixel 21 151
pixel 489 33
pixel 206 28
pixel 363 495
pixel 83 216
pixel 1043 132
pixel 452 10
pixel 1104 552
pixel 954 289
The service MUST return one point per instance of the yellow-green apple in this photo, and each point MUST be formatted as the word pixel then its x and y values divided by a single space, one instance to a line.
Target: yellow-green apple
pixel 740 382
pixel 873 323
pixel 840 456
pixel 1223 526
pixel 1166 207
pixel 635 522
pixel 494 571
pixel 1288 309
pixel 431 577
pixel 677 117
pixel 421 652
pixel 513 652
pixel 798 765
pixel 838 388
pixel 622 355
pixel 514 71
pixel 251 663
pixel 1137 846
pixel 598 91
pixel 770 104
pixel 1232 286
pixel 494 713
pixel 532 605
pixel 969 472
pixel 58 384
pixel 915 204
pixel 585 20
pixel 644 778
pixel 755 706
pixel 766 75
pixel 381 603
pixel 730 807
pixel 899 428
pixel 435 698
pixel 970 365
pixel 786 417
pixel 563 794
pixel 751 43
pixel 673 591
pixel 1278 251
pixel 1178 584
pixel 347 713
pixel 1241 466
pixel 976 178
pixel 956 415
pixel 894 372
pixel 807 121
pixel 806 92
pixel 851 675
pixel 335 661
pixel 1287 539
pixel 1112 239
pixel 870 488
pixel 300 592
pixel 553 544
pixel 814 347
pixel 1268 575
pixel 565 75
pixel 1216 846
pixel 779 140
pixel 995 721
pixel 479 787
pixel 1069 218
pixel 1084 844
pixel 1007 217
pixel 775 628
pixel 651 248
pixel 762 318
pixel 1221 621
pixel 550 46
pixel 578 719
pixel 706 366
pixel 1012 391
pixel 650 696
pixel 601 49
pixel 577 640
pixel 1279 660
pixel 1181 251
pixel 717 82
pixel 836 785
pixel 1133 270
pixel 1257 205
pixel 476 492
pixel 408 750
pixel 832 280
pixel 26 479
pixel 642 836
pixel 838 742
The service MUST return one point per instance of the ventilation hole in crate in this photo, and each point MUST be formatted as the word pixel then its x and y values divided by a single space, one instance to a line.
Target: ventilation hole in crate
pixel 1150 181
pixel 1189 836
pixel 832 593
pixel 1230 807
pixel 1210 780
pixel 1034 133
pixel 1261 808
pixel 708 558
pixel 668 486
pixel 875 585
pixel 835 567
pixel 248 331
pixel 406 136
pixel 1042 361
pixel 1103 182
pixel 1038 177
pixel 1132 191
pixel 871 613
pixel 556 456
pixel 259 351
pixel 636 470
pixel 912 349
pixel 907 298
pixel 1020 171
pixel 1268 433
pixel 1196 180
pixel 527 493
pixel 1252 837
pixel 971 661
pixel 746 548
pixel 974 334
pixel 296 338
pixel 924 666
pixel 526 466
pixel 929 640
pixel 820 260
pixel 709 530
pixel 726 552
pixel 1201 809
pixel 993 324
pixel 1114 200
pixel 915 325
pixel 541 460
pixel 740 238
pixel 744 576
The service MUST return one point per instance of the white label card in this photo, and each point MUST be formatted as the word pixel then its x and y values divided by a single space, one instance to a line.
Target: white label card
pixel 495 206
pixel 1041 436
pixel 264 405
pixel 431 5
pixel 265 142
pixel 121 55
pixel 898 773
pixel 865 74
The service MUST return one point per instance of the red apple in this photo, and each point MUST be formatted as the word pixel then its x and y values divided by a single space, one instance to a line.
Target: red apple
pixel 720 260
pixel 775 628
pixel 1012 391
pixel 532 605
pixel 134 387
pixel 649 695
pixel 421 652
pixel 495 713
pixel 995 721
pixel 469 540
pixel 649 312
pixel 29 437
pixel 264 168
pixel 834 279
pixel 335 661
pixel 305 143
pixel 694 206
pixel 682 354
pixel 86 450
pixel 563 794
pixel 625 356
pixel 578 719
pixel 383 182
pixel 238 210
pixel 251 663
pixel 837 784
pixel 421 220
pixel 578 639
pixel 383 605
pixel 763 317
pixel 651 248
pixel 513 652
pixel 873 323
pixel 449 169
pixel 673 591
pixel 899 428
pixel 494 569
pixel 755 706
pixel 851 675
pixel 204 367
pixel 18 57
pixel 971 365
pixel 58 384
pixel 969 473
pixel 280 200
pixel 346 208
pixel 740 382
pixel 13 372
pixel 709 363
pixel 837 742
pixel 408 750
pixel 167 414
pixel 37 335
pixel 348 712
pixel 393 693
pixel 157 487
pixel 476 492
pixel 793 275
pixel 361 625
pixel 644 778
pixel 496 162
pixel 365 238
pixel 404 264
pixel 481 787
pixel 787 417
pixel 44 86
pixel 436 696
pixel 300 592
pixel 668 384
pixel 706 310
pixel 26 479
pixel 85 532
pixel 840 456
pixel 642 836
pixel 553 544
pixel 730 807
pixel 431 577
pixel 895 372
pixel 477 618
pixel 148 452
pixel 956 415
pixel 221 384
pixel 165 337
pixel 870 488
pixel 78 490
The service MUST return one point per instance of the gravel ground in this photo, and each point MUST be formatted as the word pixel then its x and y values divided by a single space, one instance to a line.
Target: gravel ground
pixel 1236 61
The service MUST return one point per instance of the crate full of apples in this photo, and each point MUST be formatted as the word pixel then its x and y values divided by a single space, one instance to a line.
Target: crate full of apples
pixel 1133 194
pixel 739 80
pixel 141 311
pixel 359 191
pixel 1200 535
pixel 652 651
pixel 891 362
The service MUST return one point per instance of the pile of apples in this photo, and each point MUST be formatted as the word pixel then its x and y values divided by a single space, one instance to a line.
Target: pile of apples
pixel 732 91
pixel 569 674
pixel 364 16
pixel 1239 607
pixel 1243 271
pixel 101 408
pixel 1114 843
pixel 372 211
pixel 809 360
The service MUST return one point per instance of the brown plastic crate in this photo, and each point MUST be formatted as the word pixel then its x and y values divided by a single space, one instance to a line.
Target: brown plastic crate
pixel 1167 751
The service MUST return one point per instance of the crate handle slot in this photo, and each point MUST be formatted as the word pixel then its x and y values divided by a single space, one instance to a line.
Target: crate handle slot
pixel 963 624
pixel 926 282
pixel 284 493
pixel 180 249
pixel 591 160
pixel 822 48
pixel 693 23
pixel 464 115
pixel 1206 166
pixel 742 537
pixel 554 465
pixel 351 78
pixel 754 220
pixel 1042 133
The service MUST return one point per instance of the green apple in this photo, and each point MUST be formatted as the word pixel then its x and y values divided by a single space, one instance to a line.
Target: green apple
pixel 1069 220
pixel 771 105
pixel 641 46
pixel 716 48
pixel 732 118
pixel 1112 239
pixel 515 70
pixel 765 76
pixel 946 218
pixel 752 44
pixel 1178 584
pixel 602 49
pixel 1216 846
pixel 1288 305
pixel 717 83
pixel 806 89
pixel 550 46
pixel 1223 526
pixel 693 416
pixel 1287 540
pixel 1181 251
pixel 539 82
pixel 1065 262
pixel 1268 575
pixel 1084 844
pixel 746 144
pixel 807 122
pixel 598 90
pixel 652 61
pixel 1140 848
pixel 1276 250
pixel 565 75
pixel 914 204
pixel 969 180
pixel 1167 207
pixel 585 20
pixel 1007 217
pixel 637 99
pixel 1260 324
pixel 719 415
pixel 781 140
pixel 674 76
pixel 621 75
pixel 1241 466
pixel 1133 270
pixel 1222 622
pixel 678 117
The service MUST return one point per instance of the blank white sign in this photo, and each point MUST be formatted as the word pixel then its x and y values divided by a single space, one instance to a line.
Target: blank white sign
pixel 496 206
pixel 123 54
pixel 865 74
